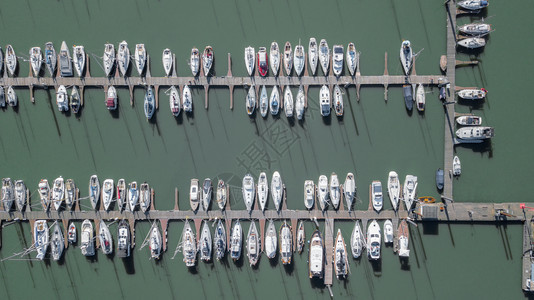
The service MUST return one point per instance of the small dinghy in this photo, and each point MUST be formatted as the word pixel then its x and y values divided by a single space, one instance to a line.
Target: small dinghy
pixel 456 166
pixel 271 240
pixel 253 244
pixel 250 59
pixel 274 55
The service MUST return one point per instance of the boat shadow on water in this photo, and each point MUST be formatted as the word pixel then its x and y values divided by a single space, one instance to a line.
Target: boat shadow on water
pixel 327 120
pixel 317 283
pixel 128 263
pixel 377 266
pixel 405 263
pixel 485 146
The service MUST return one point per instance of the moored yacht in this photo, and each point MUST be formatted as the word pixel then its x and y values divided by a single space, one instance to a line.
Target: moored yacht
pixel 65 62
pixel 205 244
pixel 341 262
pixel 248 191
pixel 263 190
pixel 394 189
pixel 277 190
pixel 288 102
pixel 338 101
pixel 149 105
pixel 57 243
pixel 352 58
pixel 189 245
pixel 286 244
pixel 300 103
pixel 58 192
pixel 78 57
pixel 337 59
pixel 250 102
pixel 40 238
pixel 325 101
pixel 70 194
pixel 194 62
pixel 104 236
pixel 301 237
pixel 207 190
pixel 410 191
pixel 236 241
pixel 123 58
pixel 20 195
pixel 288 58
pixel 194 195
pixel 264 102
pixel 133 195
pixel 472 42
pixel 221 194
pixel 145 197
pixel 250 59
pixel 316 255
pixel 36 60
pixel 274 101
pixel 299 59
pixel 8 193
pixel 376 195
pixel 271 240
pixel 155 243
pixel 111 99
pixel 12 99
pixel 123 239
pixel 476 29
pixel 219 240
pixel 403 239
pixel 475 133
pixel 309 194
pixel 174 101
pixel 140 58
pixel 207 60
pixel 456 166
pixel 167 61
pixel 472 94
pixel 75 101
pixel 274 55
pixel 71 233
pixel 62 99
pixel 373 241
pixel 108 188
pixel 473 4
pixel 324 56
pixel 11 60
pixel 263 66
pixel 335 194
pixel 109 58
pixel 407 90
pixel 121 194
pixel 420 98
pixel 388 232
pixel 50 58
pixel 406 56
pixel 349 190
pixel 312 55
pixel 357 240
pixel 87 242
pixel 469 120
pixel 187 99
pixel 322 190
pixel 44 194
pixel 253 244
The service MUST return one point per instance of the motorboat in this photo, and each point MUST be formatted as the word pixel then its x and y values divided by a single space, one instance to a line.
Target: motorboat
pixel 50 58
pixel 75 101
pixel 357 240
pixel 337 59
pixel 475 133
pixel 456 166
pixel 406 56
pixel 236 241
pixel 133 195
pixel 219 240
pixel 174 101
pixel 473 4
pixel 189 245
pixel 263 190
pixel 476 29
pixel 341 262
pixel 338 101
pixel 335 194
pixel 388 232
pixel 104 236
pixel 394 189
pixel 78 57
pixel 352 58
pixel 140 58
pixel 376 195
pixel 36 60
pixel 155 242
pixel 221 194
pixel 410 191
pixel 123 239
pixel 288 58
pixel 324 56
pixel 274 55
pixel 349 190
pixel 312 55
pixel 408 96
pixel 187 99
pixel 248 191
pixel 309 194
pixel 271 240
pixel 403 236
pixel 70 194
pixel 20 195
pixel 274 101
pixel 41 238
pixel 205 243
pixel 44 194
pixel 65 62
pixel 469 120
pixel 288 102
pixel 207 60
pixel 264 102
pixel 11 60
pixel 316 255
pixel 167 61
pixel 145 197
pixel 194 61
pixel 263 66
pixel 325 101
pixel 322 190
pixel 62 99
pixel 71 233
pixel 472 94
pixel 149 105
pixel 253 244
pixel 194 195
pixel 250 59
pixel 111 99
pixel 2 92
pixel 87 242
pixel 277 190
pixel 8 193
pixel 373 241
pixel 420 98
pixel 109 59
pixel 251 100
pixel 472 42
pixel 440 179
pixel 108 188
pixel 58 192
pixel 207 190
pixel 123 59
pixel 299 59
pixel 301 237
pixel 286 244
pixel 300 103
pixel 12 99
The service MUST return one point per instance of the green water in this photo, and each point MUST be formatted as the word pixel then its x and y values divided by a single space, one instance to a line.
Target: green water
pixel 373 138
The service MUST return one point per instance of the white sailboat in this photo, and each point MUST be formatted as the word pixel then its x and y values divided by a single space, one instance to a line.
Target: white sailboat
pixel 338 101
pixel 394 189
pixel 288 58
pixel 109 58
pixel 300 103
pixel 271 241
pixel 78 58
pixel 349 190
pixel 249 191
pixel 106 241
pixel 250 60
pixel 288 102
pixel 36 60
pixel 251 100
pixel 140 58
pixel 133 195
pixel 221 194
pixel 57 243
pixel 236 241
pixel 41 238
pixel 189 245
pixel 263 190
pixel 62 99
pixel 187 99
pixel 286 244
pixel 58 193
pixel 325 101
pixel 322 189
pixel 274 55
pixel 341 262
pixel 194 62
pixel 357 241
pixel 253 244
pixel 205 244
pixel 123 58
pixel 174 101
pixel 277 190
pixel 324 56
pixel 352 58
pixel 299 59
pixel 388 232
pixel 107 193
pixel 264 102
pixel 335 195
pixel 410 191
pixel 406 56
pixel 312 55
pixel 274 101
pixel 166 58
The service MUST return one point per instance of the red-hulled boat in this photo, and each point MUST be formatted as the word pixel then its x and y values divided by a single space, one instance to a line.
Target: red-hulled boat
pixel 263 65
